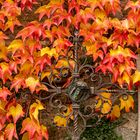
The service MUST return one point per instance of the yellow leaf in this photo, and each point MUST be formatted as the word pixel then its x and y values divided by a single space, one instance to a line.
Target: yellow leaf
pixel 48 73
pixel 99 14
pixel 30 42
pixel 44 132
pixel 136 77
pixel 49 35
pixel 106 107
pixel 50 52
pixel 15 45
pixel 25 136
pixel 45 74
pixel 115 113
pixel 3 50
pixel 126 78
pixel 120 81
pixel 4 66
pixel 105 95
pixel 65 63
pixel 69 110
pixel 99 103
pixel 26 67
pixel 11 23
pixel 90 47
pixel 16 112
pixel 2 105
pixel 60 121
pixel 122 68
pixel 32 83
pixel 127 102
pixel 108 41
pixel 42 9
pixel 94 3
pixel 104 102
pixel 34 110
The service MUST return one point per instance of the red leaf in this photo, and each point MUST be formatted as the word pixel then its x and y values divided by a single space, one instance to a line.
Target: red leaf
pixel 33 30
pixel 42 62
pixel 60 15
pixel 30 126
pixel 83 16
pixel 4 92
pixel 27 3
pixel 11 9
pixel 49 9
pixel 18 82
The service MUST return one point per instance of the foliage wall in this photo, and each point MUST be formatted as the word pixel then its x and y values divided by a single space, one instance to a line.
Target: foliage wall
pixel 30 51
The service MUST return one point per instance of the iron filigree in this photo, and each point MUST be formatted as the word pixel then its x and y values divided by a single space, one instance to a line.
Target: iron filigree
pixel 84 85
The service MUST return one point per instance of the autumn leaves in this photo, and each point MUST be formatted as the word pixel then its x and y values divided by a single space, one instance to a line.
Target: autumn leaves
pixel 27 60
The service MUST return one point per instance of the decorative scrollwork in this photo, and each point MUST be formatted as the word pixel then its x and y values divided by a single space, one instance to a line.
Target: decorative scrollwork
pixel 85 91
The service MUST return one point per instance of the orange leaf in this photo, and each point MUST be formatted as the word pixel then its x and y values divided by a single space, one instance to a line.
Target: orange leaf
pixel 18 82
pixel 2 36
pixel 106 107
pixel 10 131
pixel 16 45
pixel 127 102
pixel 104 102
pixel 134 5
pixel 60 121
pixel 121 51
pixel 47 10
pixel 34 110
pixel 115 113
pixel 32 83
pixel 126 78
pixel 5 72
pixel 1 136
pixel 136 77
pixel 62 43
pixel 34 130
pixel 30 126
pixel 65 63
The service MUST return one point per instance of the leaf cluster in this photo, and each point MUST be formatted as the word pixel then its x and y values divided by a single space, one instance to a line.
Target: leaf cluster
pixel 41 48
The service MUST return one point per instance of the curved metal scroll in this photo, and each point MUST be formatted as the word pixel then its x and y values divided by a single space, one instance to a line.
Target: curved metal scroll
pixel 81 91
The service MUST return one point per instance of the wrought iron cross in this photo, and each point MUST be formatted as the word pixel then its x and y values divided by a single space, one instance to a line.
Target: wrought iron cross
pixel 80 93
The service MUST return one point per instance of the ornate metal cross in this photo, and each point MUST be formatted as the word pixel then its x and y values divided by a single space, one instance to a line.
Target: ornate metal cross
pixel 83 88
